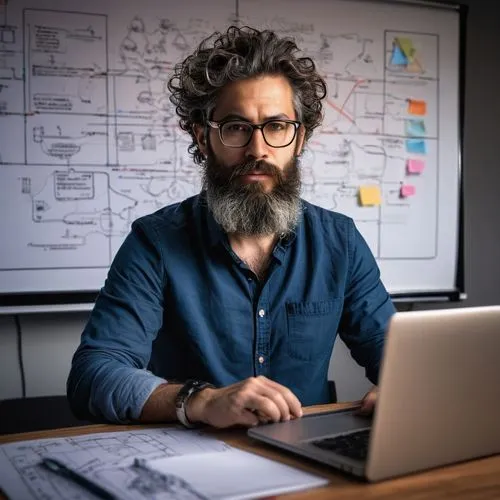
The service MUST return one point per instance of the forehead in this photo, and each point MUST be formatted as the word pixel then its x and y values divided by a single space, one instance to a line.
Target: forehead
pixel 256 98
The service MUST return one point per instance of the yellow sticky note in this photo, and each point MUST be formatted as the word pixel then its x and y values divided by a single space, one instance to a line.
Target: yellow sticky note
pixel 416 107
pixel 406 46
pixel 370 196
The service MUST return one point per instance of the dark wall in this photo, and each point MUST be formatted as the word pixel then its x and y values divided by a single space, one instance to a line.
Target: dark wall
pixel 481 159
pixel 481 164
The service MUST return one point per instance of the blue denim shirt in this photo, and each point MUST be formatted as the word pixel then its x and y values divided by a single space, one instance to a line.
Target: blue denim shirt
pixel 178 303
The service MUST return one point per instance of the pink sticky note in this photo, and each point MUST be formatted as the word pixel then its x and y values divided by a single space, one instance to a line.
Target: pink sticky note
pixel 415 166
pixel 407 190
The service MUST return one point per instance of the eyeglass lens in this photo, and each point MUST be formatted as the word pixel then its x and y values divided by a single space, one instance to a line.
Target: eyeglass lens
pixel 276 133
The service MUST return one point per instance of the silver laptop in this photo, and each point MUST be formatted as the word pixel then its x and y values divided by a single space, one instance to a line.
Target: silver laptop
pixel 438 403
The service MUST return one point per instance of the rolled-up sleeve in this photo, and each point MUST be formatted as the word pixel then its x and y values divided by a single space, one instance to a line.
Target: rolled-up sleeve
pixel 108 379
pixel 367 307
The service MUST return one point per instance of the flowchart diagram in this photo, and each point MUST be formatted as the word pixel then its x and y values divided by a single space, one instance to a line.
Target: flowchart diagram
pixel 90 140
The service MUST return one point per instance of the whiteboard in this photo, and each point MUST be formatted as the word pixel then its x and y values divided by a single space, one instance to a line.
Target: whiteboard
pixel 89 140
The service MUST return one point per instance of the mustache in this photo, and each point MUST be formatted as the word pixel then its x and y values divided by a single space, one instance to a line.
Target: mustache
pixel 259 166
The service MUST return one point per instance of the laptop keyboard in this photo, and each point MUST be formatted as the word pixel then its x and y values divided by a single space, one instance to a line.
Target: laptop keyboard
pixel 352 445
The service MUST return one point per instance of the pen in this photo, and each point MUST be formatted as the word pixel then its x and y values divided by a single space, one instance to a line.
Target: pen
pixel 63 470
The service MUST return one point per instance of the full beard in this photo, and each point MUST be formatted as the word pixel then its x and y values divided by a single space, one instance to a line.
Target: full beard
pixel 246 209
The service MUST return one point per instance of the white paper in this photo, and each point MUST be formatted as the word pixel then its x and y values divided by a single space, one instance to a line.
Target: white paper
pixel 236 475
pixel 189 465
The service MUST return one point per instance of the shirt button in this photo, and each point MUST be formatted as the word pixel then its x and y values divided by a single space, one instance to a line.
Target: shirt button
pixel 262 313
pixel 261 359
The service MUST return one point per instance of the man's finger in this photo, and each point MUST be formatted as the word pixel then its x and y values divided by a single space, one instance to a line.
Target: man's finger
pixel 248 419
pixel 366 408
pixel 279 400
pixel 368 403
pixel 264 407
pixel 293 403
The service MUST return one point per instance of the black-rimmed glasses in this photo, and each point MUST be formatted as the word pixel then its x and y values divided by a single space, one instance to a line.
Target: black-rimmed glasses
pixel 238 133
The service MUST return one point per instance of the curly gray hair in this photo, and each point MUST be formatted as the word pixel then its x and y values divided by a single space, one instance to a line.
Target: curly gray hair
pixel 237 54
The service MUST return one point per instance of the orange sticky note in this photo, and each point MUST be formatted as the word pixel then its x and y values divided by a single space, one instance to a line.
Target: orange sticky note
pixel 407 190
pixel 416 107
pixel 370 196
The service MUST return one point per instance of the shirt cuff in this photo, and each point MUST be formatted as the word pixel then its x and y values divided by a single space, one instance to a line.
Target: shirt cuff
pixel 122 395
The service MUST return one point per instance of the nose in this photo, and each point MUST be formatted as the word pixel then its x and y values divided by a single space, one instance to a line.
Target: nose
pixel 257 147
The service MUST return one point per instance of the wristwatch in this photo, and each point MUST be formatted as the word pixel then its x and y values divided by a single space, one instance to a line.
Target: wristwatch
pixel 190 388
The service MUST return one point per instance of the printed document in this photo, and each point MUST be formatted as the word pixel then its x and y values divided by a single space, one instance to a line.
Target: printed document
pixel 160 464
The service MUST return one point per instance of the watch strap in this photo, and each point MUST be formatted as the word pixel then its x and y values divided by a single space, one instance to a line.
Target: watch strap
pixel 190 388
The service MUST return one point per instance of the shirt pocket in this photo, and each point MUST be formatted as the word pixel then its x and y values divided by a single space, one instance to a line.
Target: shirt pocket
pixel 312 328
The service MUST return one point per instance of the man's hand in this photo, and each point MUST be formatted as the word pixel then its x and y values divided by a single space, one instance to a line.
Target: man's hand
pixel 368 402
pixel 254 400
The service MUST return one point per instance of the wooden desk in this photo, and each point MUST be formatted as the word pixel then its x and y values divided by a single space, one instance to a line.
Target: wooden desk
pixel 475 480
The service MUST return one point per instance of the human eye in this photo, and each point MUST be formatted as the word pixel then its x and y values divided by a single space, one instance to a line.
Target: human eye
pixel 276 126
pixel 236 127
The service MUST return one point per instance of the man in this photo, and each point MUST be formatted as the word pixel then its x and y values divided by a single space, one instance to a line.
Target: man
pixel 232 299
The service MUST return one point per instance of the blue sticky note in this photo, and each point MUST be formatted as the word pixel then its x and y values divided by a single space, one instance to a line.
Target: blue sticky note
pixel 415 128
pixel 416 146
pixel 398 57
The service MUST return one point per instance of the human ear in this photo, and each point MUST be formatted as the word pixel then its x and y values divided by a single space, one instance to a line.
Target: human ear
pixel 199 133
